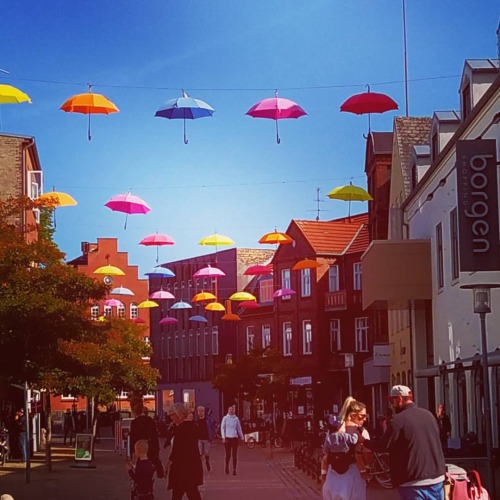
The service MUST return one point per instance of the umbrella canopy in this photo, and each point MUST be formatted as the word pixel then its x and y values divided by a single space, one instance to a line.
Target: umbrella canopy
pixel 128 204
pixel 160 272
pixel 276 108
pixel 121 290
pixel 12 95
pixel 209 272
pixel 89 104
pixel 185 108
pixel 113 303
pixel 242 296
pixel 231 317
pixel 306 264
pixel 349 193
pixel 249 304
pixel 257 270
pixel 161 295
pixel 277 238
pixel 148 304
pixel 168 320
pixel 181 305
pixel 157 240
pixel 283 292
pixel 216 240
pixel 139 320
pixel 215 306
pixel 198 318
pixel 57 199
pixel 200 297
pixel 109 270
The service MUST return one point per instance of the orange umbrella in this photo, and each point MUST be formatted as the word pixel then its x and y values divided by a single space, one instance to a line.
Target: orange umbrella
pixel 306 264
pixel 88 104
pixel 200 297
pixel 276 238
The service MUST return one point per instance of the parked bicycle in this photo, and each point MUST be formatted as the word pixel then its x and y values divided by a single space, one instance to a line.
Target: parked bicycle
pixel 262 438
pixel 379 469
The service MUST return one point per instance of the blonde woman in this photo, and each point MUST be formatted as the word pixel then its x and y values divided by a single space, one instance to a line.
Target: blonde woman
pixel 185 472
pixel 339 470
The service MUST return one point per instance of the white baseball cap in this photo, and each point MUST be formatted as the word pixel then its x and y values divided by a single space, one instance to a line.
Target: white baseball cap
pixel 400 390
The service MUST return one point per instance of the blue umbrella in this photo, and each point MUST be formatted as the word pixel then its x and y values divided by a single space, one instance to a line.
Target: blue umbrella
pixel 199 318
pixel 185 107
pixel 181 305
pixel 160 272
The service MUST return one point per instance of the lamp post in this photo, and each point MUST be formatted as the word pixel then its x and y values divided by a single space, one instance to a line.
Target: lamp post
pixel 482 306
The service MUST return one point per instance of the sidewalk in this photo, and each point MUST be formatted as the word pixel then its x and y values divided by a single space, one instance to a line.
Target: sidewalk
pixel 263 473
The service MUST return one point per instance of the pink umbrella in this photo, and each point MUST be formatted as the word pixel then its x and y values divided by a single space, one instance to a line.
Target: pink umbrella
pixel 257 270
pixel 209 272
pixel 168 320
pixel 139 320
pixel 276 108
pixel 129 204
pixel 283 291
pixel 113 303
pixel 157 240
pixel 161 295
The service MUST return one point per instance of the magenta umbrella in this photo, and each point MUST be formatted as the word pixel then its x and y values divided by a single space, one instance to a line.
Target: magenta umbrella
pixel 157 240
pixel 209 272
pixel 258 269
pixel 161 295
pixel 276 108
pixel 128 204
pixel 113 303
pixel 168 320
pixel 283 292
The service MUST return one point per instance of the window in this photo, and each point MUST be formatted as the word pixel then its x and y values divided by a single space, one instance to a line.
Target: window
pixel 134 311
pixel 94 312
pixel 287 338
pixel 434 146
pixel 191 343
pixel 305 282
pixel 266 290
pixel 285 278
pixel 356 269
pixel 361 334
pixel 466 101
pixel 207 341
pixel 333 279
pixel 108 311
pixel 199 345
pixel 215 340
pixel 184 345
pixel 266 336
pixel 35 180
pixel 121 311
pixel 454 244
pixel 250 339
pixel 439 255
pixel 335 342
pixel 306 337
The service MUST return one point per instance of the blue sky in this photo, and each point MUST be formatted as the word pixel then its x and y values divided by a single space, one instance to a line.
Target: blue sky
pixel 232 177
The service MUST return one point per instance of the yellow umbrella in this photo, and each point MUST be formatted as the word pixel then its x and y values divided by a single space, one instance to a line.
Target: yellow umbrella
pixel 109 270
pixel 349 193
pixel 215 306
pixel 147 304
pixel 57 199
pixel 242 296
pixel 199 297
pixel 216 240
pixel 12 95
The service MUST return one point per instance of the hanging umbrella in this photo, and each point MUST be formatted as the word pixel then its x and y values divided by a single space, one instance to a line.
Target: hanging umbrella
pixel 12 95
pixel 216 240
pixel 181 305
pixel 209 272
pixel 367 103
pixel 121 290
pixel 128 204
pixel 242 296
pixel 276 108
pixel 157 240
pixel 283 292
pixel 168 320
pixel 161 295
pixel 56 199
pixel 185 108
pixel 160 272
pixel 113 303
pixel 109 270
pixel 139 320
pixel 349 193
pixel 231 317
pixel 148 304
pixel 89 104
pixel 215 306
pixel 200 297
pixel 276 237
pixel 249 304
pixel 306 264
pixel 257 270
pixel 198 318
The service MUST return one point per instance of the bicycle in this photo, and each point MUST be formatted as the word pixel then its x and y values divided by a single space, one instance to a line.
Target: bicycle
pixel 274 440
pixel 379 469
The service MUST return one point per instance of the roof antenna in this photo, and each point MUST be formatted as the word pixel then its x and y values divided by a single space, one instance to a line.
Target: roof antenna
pixel 318 201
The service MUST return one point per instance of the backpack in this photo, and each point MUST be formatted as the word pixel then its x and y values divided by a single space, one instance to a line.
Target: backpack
pixel 463 485
pixel 476 489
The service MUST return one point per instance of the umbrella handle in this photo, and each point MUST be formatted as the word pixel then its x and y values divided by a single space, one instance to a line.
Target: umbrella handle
pixel 88 131
pixel 185 136
pixel 278 140
pixel 126 218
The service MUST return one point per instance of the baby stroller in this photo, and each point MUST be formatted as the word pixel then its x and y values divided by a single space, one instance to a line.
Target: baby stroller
pixel 4 446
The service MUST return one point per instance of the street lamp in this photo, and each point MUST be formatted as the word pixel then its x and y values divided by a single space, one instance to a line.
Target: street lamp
pixel 482 306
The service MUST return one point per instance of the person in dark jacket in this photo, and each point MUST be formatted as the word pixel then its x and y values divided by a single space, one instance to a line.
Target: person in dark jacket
pixel 185 471
pixel 444 424
pixel 415 455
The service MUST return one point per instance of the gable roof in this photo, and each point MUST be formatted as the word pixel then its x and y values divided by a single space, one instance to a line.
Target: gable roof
pixel 336 237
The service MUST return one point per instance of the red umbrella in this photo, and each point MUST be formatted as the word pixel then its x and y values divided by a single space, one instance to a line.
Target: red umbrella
pixel 129 204
pixel 258 269
pixel 276 108
pixel 157 240
pixel 367 103
pixel 249 304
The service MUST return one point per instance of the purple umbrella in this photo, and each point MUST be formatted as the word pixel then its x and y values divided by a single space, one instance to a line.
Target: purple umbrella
pixel 283 292
pixel 113 303
pixel 161 295
pixel 128 204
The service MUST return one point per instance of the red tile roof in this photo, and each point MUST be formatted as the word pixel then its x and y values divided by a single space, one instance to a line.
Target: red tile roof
pixel 336 237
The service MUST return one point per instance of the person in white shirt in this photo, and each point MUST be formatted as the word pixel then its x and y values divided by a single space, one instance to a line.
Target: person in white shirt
pixel 231 433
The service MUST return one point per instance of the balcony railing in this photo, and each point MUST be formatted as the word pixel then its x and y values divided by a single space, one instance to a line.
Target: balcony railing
pixel 342 299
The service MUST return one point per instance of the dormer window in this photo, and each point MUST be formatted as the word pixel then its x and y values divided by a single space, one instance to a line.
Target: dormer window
pixel 434 146
pixel 466 101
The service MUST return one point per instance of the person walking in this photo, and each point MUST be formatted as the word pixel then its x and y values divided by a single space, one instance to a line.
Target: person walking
pixel 205 427
pixel 185 471
pixel 231 434
pixel 415 455
pixel 340 472
pixel 20 422
pixel 444 424
pixel 68 426
pixel 142 472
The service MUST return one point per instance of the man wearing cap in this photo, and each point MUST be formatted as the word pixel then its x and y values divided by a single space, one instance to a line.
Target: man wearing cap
pixel 415 454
